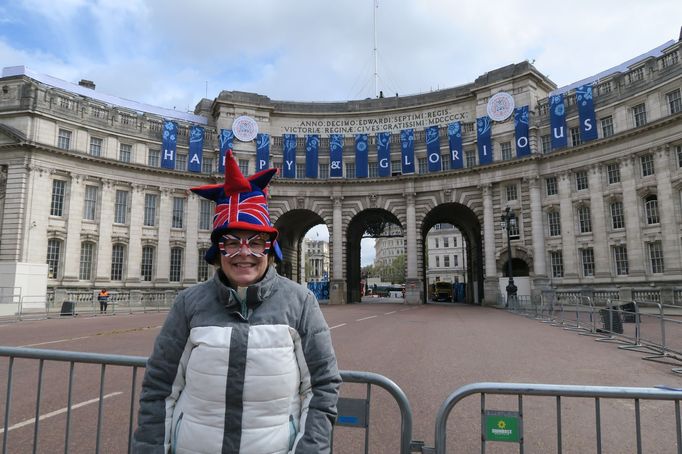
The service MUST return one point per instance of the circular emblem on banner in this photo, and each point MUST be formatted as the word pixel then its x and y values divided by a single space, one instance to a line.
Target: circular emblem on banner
pixel 245 128
pixel 500 106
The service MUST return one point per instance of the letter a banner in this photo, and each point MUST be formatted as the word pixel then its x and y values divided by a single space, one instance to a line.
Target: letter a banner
pixel 262 152
pixel 557 121
pixel 588 121
pixel 521 130
pixel 361 160
pixel 226 140
pixel 384 153
pixel 289 152
pixel 484 140
pixel 455 145
pixel 407 150
pixel 196 148
pixel 169 142
pixel 336 155
pixel 433 148
pixel 312 145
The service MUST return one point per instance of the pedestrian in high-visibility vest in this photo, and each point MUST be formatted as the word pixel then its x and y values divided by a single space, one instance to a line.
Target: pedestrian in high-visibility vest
pixel 103 299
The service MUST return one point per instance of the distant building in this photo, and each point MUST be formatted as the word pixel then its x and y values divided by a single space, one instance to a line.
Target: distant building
pixel 388 249
pixel 446 254
pixel 316 260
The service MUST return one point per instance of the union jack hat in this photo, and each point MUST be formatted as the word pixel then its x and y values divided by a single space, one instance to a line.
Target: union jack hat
pixel 241 204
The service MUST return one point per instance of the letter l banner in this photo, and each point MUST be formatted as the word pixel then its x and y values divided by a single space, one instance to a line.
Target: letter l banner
pixel 407 150
pixel 433 148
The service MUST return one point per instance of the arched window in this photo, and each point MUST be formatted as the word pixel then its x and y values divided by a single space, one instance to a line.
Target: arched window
pixel 54 257
pixel 147 264
pixel 175 264
pixel 86 262
pixel 651 209
pixel 117 261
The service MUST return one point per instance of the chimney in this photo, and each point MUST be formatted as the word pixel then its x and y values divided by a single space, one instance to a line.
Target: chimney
pixel 87 84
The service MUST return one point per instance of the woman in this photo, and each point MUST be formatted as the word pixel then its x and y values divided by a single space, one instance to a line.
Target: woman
pixel 244 362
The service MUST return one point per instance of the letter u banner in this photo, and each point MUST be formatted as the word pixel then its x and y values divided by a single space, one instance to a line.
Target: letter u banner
pixel 262 152
pixel 484 140
pixel 169 142
pixel 336 155
pixel 557 121
pixel 433 148
pixel 196 148
pixel 588 121
pixel 407 150
pixel 384 153
pixel 226 140
pixel 289 152
pixel 521 130
pixel 361 159
pixel 455 145
pixel 312 146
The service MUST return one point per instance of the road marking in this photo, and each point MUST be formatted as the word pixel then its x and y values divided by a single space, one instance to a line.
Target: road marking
pixel 114 332
pixel 389 313
pixel 403 310
pixel 366 318
pixel 338 326
pixel 58 412
pixel 56 341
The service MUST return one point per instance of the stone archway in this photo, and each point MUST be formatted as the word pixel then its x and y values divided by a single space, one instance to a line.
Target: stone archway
pixel 292 227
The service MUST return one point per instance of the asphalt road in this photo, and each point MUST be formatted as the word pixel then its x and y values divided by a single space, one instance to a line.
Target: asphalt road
pixel 429 351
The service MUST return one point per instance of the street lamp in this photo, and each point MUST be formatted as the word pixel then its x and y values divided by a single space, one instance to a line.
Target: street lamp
pixel 508 221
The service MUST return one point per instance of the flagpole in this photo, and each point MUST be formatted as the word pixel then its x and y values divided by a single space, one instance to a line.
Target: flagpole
pixel 376 74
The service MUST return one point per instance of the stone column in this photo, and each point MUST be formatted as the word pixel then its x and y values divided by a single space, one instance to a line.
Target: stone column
pixel 413 287
pixel 568 229
pixel 631 211
pixel 133 270
pixel 666 210
pixel 491 282
pixel 105 228
pixel 337 284
pixel 163 252
pixel 540 280
pixel 191 240
pixel 602 267
pixel 73 229
pixel 38 212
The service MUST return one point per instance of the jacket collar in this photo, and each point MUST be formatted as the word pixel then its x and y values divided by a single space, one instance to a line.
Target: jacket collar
pixel 255 294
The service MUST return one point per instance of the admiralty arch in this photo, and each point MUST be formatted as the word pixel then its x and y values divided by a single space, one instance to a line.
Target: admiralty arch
pixel 86 200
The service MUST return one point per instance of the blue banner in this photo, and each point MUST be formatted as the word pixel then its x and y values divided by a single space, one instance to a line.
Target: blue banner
pixel 557 121
pixel 484 140
pixel 336 155
pixel 289 152
pixel 588 120
pixel 196 148
pixel 262 152
pixel 455 145
pixel 384 153
pixel 226 140
pixel 361 158
pixel 169 143
pixel 433 148
pixel 407 150
pixel 312 146
pixel 521 131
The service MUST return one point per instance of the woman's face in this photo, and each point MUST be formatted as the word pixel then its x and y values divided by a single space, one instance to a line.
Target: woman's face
pixel 241 267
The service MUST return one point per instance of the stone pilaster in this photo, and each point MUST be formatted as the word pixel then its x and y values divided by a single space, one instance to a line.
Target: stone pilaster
pixel 163 252
pixel 103 273
pixel 568 228
pixel 133 270
pixel 191 240
pixel 413 287
pixel 631 211
pixel 491 283
pixel 599 242
pixel 537 228
pixel 666 210
pixel 73 229
pixel 337 284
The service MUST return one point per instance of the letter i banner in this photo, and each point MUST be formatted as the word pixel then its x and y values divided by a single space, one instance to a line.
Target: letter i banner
pixel 196 148
pixel 262 152
pixel 407 150
pixel 361 159
pixel 433 148
pixel 588 121
pixel 484 140
pixel 336 155
pixel 384 153
pixel 226 140
pixel 312 146
pixel 455 145
pixel 169 143
pixel 289 152
pixel 521 130
pixel 557 121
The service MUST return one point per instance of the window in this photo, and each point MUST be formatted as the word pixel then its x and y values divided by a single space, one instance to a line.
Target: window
pixel 117 260
pixel 511 192
pixel 639 115
pixel 669 59
pixel 647 163
pixel 350 170
pixel 436 242
pixel 121 207
pixel 373 170
pixel 620 259
pixel 54 257
pixel 446 242
pixel 87 253
pixel 635 75
pixel 551 185
pixel 651 209
pixel 613 173
pixel 617 218
pixel 324 171
pixel 244 167
pixel 90 203
pixel 300 171
pixel 202 271
pixel 178 212
pixel 454 241
pixel 445 162
pixel 147 265
pixel 584 219
pixel 154 158
pixel 437 261
pixel 446 261
pixel 679 155
pixel 575 137
pixel 469 158
pixel 514 228
pixel 506 150
pixel 556 260
pixel 674 101
pixel 655 250
pixel 205 214
pixel 58 191
pixel 554 223
pixel 64 139
pixel 546 143
pixel 125 152
pixel 207 165
pixel 581 181
pixel 455 261
pixel 150 201
pixel 607 126
pixel 181 162
pixel 396 168
pixel 587 259
pixel 175 264
pixel 95 146
pixel 422 166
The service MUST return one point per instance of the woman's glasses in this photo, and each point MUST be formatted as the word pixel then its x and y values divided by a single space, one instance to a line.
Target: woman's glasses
pixel 256 245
